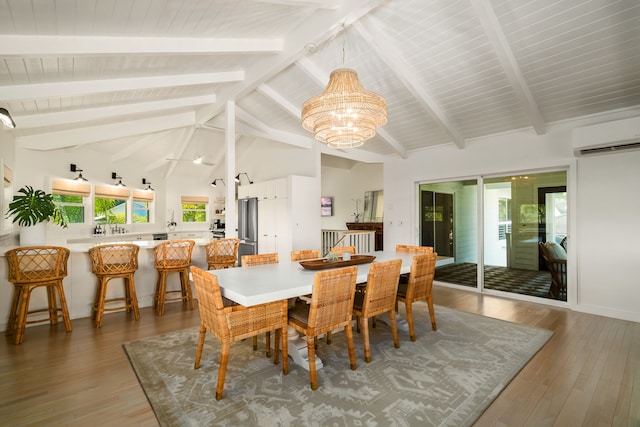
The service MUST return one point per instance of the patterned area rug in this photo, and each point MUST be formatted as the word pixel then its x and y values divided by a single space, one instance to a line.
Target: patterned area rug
pixel 444 378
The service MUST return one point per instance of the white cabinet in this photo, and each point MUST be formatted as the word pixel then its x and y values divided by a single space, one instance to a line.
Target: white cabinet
pixel 288 215
pixel 181 235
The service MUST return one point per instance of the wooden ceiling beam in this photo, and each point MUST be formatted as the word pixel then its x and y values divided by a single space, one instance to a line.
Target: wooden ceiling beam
pixel 404 72
pixel 57 46
pixel 493 30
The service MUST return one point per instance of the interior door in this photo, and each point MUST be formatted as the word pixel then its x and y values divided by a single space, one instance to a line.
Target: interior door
pixel 436 212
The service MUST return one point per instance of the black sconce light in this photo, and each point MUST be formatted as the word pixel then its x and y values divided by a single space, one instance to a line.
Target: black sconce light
pixel 145 182
pixel 245 174
pixel 116 176
pixel 6 118
pixel 213 184
pixel 75 168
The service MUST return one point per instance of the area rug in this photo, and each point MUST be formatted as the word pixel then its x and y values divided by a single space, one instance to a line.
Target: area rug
pixel 444 378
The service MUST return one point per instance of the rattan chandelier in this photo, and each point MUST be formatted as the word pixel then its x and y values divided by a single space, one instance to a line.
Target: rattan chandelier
pixel 345 115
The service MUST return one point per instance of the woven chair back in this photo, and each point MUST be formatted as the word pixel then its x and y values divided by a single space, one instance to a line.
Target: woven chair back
pixel 173 254
pixel 222 250
pixel 408 249
pixel 338 250
pixel 117 258
pixel 382 287
pixel 305 254
pixel 210 305
pixel 332 300
pixel 260 259
pixel 423 268
pixel 32 264
pixel 233 322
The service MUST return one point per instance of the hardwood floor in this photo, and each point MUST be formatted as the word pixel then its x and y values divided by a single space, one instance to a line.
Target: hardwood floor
pixel 587 374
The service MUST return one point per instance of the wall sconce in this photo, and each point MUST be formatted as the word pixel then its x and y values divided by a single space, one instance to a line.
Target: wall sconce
pixel 116 176
pixel 145 182
pixel 245 174
pixel 213 184
pixel 5 118
pixel 75 168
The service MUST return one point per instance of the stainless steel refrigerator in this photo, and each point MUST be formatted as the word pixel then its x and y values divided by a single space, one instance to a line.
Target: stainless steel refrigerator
pixel 247 227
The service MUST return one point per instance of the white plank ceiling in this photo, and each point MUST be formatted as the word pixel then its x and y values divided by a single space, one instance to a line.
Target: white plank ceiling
pixel 149 79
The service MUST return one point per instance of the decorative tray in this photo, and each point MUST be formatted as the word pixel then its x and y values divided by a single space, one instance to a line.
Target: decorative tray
pixel 323 263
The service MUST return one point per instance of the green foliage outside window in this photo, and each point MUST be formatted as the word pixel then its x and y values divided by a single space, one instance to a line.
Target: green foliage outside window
pixel 110 211
pixel 194 212
pixel 71 207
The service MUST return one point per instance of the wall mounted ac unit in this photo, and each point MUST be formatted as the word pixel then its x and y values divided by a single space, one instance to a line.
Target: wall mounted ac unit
pixel 608 137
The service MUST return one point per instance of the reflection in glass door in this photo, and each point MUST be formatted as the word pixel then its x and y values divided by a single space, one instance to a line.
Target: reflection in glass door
pixel 519 212
pixel 536 206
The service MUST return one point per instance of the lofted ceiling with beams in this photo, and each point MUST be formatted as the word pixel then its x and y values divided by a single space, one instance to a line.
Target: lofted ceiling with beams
pixel 149 79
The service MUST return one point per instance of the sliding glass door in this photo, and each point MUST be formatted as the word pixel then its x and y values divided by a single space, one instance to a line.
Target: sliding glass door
pixel 518 212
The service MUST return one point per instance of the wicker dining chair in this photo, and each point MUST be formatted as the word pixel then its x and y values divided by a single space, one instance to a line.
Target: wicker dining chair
pixel 234 323
pixel 222 253
pixel 305 254
pixel 331 307
pixel 378 297
pixel 173 256
pixel 418 288
pixel 339 250
pixel 409 249
pixel 114 261
pixel 261 259
pixel 31 267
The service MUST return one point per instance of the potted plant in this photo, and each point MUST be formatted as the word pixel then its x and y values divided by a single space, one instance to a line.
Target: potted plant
pixel 32 209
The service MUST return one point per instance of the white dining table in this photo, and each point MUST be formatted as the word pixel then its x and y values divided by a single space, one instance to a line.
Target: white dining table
pixel 287 279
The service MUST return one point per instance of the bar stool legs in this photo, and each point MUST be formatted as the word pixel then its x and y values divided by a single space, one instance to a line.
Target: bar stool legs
pixel 20 309
pixel 130 299
pixel 160 296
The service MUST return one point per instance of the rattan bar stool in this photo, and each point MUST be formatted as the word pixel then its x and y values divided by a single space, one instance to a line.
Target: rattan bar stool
pixel 31 267
pixel 118 260
pixel 173 256
pixel 222 253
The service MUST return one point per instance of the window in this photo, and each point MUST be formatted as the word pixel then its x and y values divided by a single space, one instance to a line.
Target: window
pixel 504 217
pixel 110 205
pixel 70 197
pixel 141 206
pixel 194 209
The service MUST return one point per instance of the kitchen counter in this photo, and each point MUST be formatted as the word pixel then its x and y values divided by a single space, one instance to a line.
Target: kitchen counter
pixel 80 283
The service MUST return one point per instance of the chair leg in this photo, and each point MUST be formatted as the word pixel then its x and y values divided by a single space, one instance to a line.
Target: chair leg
pixel 222 370
pixel 162 283
pixel 394 329
pixel 311 354
pixel 52 305
pixel 409 310
pixel 101 295
pixel 13 313
pixel 432 313
pixel 21 320
pixel 276 347
pixel 267 339
pixel 255 342
pixel 365 339
pixel 65 310
pixel 352 351
pixel 329 337
pixel 131 286
pixel 186 288
pixel 284 336
pixel 201 336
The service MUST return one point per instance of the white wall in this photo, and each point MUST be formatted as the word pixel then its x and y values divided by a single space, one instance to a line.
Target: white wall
pixel 345 186
pixel 604 206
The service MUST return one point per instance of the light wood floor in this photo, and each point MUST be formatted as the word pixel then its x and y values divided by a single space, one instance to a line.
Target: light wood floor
pixel 588 374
